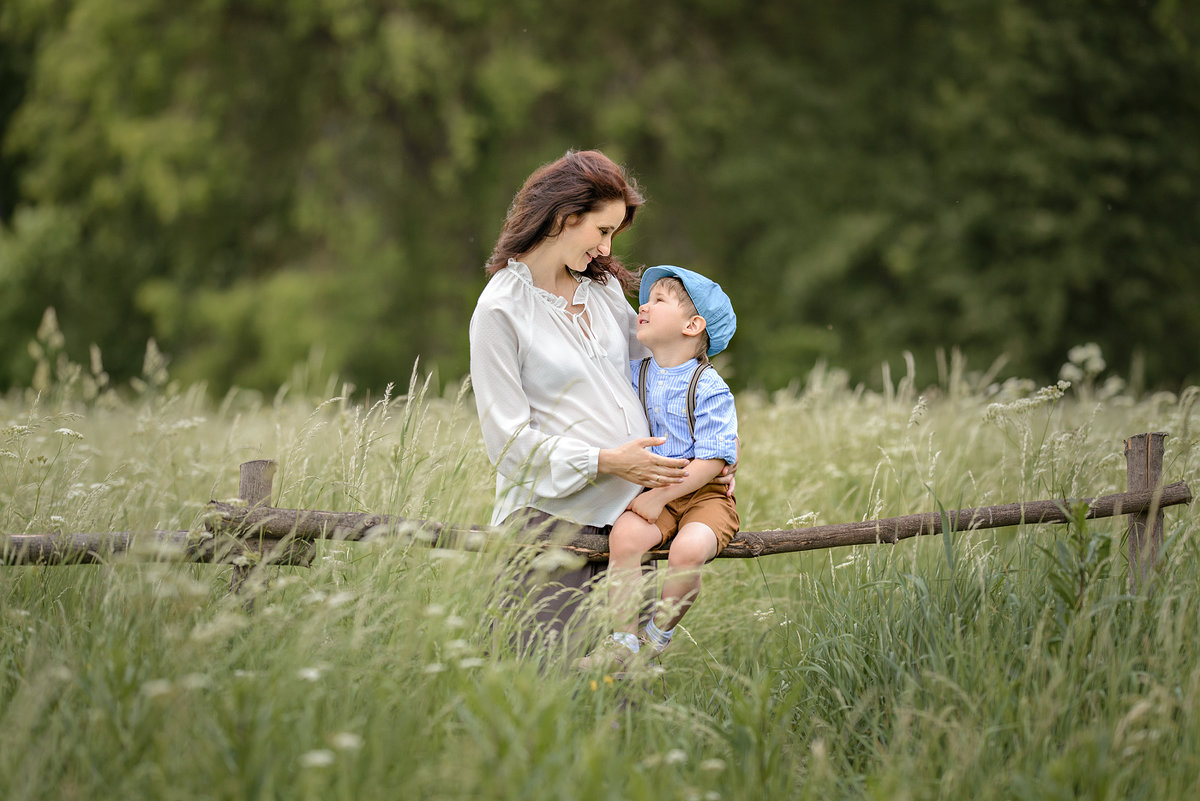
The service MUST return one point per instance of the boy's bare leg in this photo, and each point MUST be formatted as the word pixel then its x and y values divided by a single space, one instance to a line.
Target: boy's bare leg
pixel 631 538
pixel 692 547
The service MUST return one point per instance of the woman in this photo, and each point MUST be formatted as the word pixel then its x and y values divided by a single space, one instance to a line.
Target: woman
pixel 551 339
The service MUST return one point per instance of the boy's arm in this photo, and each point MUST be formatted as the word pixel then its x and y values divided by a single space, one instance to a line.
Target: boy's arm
pixel 649 504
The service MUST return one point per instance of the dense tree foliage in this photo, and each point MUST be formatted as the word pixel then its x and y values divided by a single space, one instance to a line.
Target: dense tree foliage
pixel 253 182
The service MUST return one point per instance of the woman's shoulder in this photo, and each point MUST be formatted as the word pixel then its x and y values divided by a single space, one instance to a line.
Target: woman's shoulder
pixel 501 290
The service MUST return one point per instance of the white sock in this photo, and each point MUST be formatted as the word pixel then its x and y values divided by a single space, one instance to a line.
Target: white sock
pixel 630 641
pixel 659 638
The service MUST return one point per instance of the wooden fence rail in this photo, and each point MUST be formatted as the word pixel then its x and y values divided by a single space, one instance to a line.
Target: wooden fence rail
pixel 257 533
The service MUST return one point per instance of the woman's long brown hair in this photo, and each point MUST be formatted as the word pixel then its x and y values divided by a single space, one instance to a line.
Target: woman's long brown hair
pixel 579 182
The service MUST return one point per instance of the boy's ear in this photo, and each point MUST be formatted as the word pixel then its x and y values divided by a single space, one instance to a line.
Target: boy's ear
pixel 695 326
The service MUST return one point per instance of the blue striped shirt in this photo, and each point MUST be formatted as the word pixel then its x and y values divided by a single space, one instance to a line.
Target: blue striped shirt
pixel 666 409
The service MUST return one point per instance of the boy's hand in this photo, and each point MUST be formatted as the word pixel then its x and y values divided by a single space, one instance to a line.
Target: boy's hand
pixel 646 507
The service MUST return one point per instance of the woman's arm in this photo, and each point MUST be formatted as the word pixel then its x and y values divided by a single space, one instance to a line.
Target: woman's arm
pixel 552 465
pixel 636 463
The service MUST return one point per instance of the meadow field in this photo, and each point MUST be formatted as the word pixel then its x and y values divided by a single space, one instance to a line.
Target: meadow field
pixel 1005 664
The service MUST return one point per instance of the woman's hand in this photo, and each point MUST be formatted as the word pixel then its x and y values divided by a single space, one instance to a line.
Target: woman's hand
pixel 726 476
pixel 636 463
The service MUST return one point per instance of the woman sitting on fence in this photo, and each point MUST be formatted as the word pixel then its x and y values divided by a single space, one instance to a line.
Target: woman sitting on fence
pixel 551 339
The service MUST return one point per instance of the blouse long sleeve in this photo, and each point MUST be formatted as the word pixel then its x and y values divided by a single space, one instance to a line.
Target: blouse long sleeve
pixel 550 466
pixel 552 390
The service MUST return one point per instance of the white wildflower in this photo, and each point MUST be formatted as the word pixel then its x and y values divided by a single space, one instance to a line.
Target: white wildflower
pixel 996 412
pixel 320 758
pixel 156 687
pixel 339 599
pixel 434 667
pixel 805 520
pixel 60 673
pixel 195 681
pixel 676 756
pixel 69 433
pixel 1071 372
pixel 309 673
pixel 346 741
pixel 470 662
pixel 1088 357
pixel 762 615
pixel 712 765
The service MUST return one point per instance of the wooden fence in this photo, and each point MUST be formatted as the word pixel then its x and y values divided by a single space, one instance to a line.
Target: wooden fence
pixel 254 533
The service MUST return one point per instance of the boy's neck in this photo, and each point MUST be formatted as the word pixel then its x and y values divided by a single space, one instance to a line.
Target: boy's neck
pixel 674 354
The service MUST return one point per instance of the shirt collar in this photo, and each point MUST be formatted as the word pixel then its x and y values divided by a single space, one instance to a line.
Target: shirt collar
pixel 521 271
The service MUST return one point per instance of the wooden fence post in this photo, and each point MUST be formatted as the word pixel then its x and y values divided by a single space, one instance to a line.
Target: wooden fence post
pixel 254 487
pixel 1144 464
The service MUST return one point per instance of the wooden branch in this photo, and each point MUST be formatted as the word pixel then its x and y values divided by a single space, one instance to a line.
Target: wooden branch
pixel 92 548
pixel 308 525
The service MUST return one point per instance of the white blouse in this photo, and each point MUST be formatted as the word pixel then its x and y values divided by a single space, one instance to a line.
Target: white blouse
pixel 552 389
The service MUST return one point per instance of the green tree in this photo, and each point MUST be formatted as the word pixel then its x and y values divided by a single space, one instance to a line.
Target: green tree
pixel 250 182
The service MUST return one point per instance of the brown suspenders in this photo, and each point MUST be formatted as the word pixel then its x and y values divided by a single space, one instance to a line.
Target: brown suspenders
pixel 643 371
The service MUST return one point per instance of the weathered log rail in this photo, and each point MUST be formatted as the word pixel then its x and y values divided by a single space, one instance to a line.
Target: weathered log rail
pixel 257 533
pixel 276 523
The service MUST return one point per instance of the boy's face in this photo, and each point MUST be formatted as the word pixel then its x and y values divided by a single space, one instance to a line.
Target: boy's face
pixel 664 319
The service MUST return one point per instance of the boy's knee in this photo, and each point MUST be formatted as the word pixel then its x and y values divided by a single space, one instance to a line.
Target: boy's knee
pixel 693 547
pixel 619 548
pixel 633 538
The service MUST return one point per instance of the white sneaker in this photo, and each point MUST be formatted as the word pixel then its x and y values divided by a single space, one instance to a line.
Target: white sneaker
pixel 608 655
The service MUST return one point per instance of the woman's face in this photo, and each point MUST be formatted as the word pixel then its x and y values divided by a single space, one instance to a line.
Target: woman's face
pixel 585 237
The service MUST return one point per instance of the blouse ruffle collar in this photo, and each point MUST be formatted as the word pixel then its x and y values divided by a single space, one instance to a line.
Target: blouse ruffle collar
pixel 521 270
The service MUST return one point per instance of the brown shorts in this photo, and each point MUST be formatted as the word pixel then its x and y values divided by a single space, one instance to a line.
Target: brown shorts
pixel 708 505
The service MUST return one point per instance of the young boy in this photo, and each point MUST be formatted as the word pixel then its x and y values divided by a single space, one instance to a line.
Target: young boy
pixel 684 318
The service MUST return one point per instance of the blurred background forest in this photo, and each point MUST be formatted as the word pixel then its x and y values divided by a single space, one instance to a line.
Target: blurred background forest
pixel 257 184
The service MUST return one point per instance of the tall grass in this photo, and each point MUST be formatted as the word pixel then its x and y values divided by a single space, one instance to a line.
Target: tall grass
pixel 1004 664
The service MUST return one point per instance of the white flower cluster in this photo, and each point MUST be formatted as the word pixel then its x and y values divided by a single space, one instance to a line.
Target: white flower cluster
pixel 997 412
pixel 1083 361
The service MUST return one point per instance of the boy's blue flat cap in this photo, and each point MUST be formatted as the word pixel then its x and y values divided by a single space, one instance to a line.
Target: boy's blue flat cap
pixel 710 301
